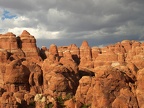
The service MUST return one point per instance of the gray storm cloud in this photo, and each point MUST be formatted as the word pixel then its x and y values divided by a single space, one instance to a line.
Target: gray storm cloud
pixel 103 21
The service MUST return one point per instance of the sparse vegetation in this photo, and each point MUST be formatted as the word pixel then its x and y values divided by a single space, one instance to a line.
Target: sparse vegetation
pixel 49 105
pixel 86 106
pixel 32 104
pixel 68 96
pixel 60 102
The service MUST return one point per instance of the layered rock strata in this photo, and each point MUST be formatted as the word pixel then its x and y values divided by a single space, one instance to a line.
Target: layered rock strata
pixel 70 76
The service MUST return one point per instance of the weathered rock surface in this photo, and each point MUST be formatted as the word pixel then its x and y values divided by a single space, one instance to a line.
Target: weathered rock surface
pixel 8 41
pixel 109 87
pixel 69 76
pixel 27 43
pixel 85 55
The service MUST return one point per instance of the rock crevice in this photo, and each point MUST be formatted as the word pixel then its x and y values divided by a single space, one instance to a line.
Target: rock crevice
pixel 71 76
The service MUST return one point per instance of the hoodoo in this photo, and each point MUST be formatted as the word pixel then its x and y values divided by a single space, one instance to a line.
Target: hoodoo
pixel 69 76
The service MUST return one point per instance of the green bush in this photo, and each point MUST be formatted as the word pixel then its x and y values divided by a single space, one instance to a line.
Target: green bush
pixel 68 96
pixel 85 106
pixel 60 102
pixel 49 105
pixel 32 103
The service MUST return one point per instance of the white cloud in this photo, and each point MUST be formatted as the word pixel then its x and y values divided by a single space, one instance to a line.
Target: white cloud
pixel 79 19
pixel 38 33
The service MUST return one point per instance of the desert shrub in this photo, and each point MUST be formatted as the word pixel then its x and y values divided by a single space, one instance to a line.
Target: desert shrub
pixel 32 104
pixel 49 105
pixel 68 96
pixel 85 106
pixel 60 102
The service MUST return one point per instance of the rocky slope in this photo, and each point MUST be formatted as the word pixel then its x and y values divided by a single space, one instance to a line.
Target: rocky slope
pixel 68 76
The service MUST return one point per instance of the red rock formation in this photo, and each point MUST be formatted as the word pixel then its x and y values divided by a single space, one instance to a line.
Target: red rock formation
pixel 16 73
pixel 53 50
pixel 127 45
pixel 85 55
pixel 108 77
pixel 109 88
pixel 107 56
pixel 75 52
pixel 68 62
pixel 3 56
pixel 140 88
pixel 8 41
pixel 84 91
pixel 135 44
pixel 27 43
pixel 85 51
pixel 95 52
pixel 59 80
pixel 44 52
pixel 123 99
pixel 62 49
pixel 15 76
pixel 53 53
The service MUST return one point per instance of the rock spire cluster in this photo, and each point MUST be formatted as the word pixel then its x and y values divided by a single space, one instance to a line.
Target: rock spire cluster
pixel 70 76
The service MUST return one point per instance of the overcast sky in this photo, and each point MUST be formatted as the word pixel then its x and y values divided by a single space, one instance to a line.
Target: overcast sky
pixel 70 21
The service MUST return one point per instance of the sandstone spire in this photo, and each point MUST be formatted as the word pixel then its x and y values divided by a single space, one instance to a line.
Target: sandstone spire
pixel 84 44
pixel 28 45
pixel 53 49
pixel 25 33
pixel 8 41
pixel 85 55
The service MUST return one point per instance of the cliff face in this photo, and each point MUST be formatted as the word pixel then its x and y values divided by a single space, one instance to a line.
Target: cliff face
pixel 108 77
